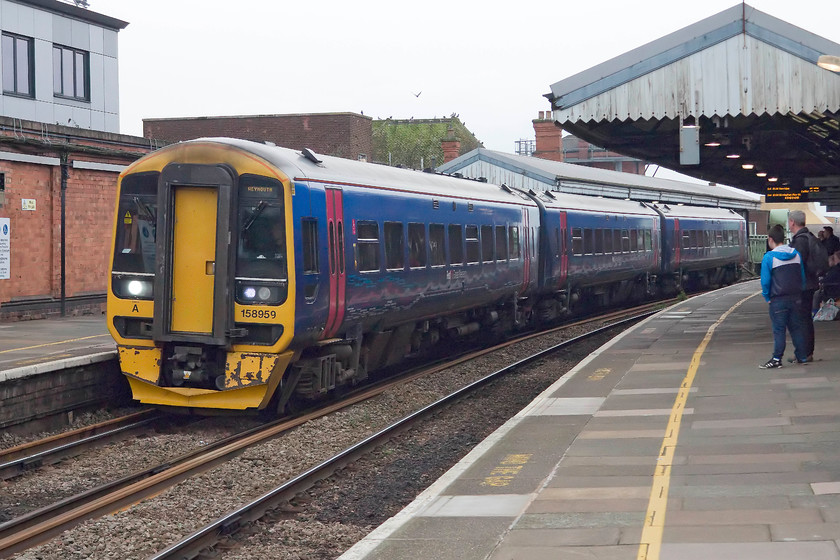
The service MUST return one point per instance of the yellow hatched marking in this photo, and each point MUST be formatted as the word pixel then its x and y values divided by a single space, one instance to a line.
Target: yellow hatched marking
pixel 650 545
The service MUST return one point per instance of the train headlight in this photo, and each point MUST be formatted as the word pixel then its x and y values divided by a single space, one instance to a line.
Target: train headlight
pixel 133 287
pixel 254 291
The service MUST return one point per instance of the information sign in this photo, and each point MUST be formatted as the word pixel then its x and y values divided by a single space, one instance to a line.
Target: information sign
pixel 5 249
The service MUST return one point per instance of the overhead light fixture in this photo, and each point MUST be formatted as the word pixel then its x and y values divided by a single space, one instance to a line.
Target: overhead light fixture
pixel 733 156
pixel 747 166
pixel 829 62
pixel 773 179
pixel 712 144
pixel 761 174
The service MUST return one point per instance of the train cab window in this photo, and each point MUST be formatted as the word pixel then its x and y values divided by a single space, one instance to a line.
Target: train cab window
pixel 577 241
pixel 394 257
pixel 588 241
pixel 309 237
pixel 513 239
pixel 487 243
pixel 134 245
pixel 472 244
pixel 437 242
pixel 367 246
pixel 416 245
pixel 501 244
pixel 456 244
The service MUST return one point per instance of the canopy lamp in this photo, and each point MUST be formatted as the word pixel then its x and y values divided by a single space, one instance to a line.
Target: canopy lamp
pixel 829 62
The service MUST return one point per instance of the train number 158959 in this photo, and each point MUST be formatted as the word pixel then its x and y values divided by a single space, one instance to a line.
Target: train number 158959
pixel 259 313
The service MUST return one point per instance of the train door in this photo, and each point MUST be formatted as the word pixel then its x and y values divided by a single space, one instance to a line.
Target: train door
pixel 337 273
pixel 677 244
pixel 564 256
pixel 194 203
pixel 193 259
pixel 526 250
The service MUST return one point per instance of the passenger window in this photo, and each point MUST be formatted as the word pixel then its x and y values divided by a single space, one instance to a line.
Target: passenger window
pixel 456 245
pixel 487 243
pixel 394 258
pixel 417 245
pixel 472 244
pixel 437 241
pixel 648 241
pixel 616 237
pixel 625 241
pixel 367 248
pixel 513 236
pixel 599 241
pixel 634 240
pixel 686 239
pixel 309 236
pixel 501 244
pixel 577 241
pixel 608 242
pixel 588 241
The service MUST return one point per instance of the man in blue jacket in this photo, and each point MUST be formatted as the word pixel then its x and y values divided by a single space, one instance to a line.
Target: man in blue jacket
pixel 782 282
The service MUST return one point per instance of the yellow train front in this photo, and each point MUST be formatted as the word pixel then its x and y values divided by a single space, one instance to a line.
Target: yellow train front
pixel 198 225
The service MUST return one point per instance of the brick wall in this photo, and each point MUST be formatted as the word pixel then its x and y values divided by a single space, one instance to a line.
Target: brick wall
pixel 346 135
pixel 34 287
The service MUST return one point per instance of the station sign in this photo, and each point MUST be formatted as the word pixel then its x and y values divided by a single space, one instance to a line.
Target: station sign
pixel 5 249
pixel 787 194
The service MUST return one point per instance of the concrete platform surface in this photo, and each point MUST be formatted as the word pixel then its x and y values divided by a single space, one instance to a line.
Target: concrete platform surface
pixel 43 345
pixel 668 443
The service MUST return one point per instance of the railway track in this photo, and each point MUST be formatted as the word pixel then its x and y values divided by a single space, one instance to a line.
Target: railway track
pixel 34 528
pixel 17 460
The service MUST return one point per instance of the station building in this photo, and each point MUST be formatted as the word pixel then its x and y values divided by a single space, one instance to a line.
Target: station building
pixel 60 155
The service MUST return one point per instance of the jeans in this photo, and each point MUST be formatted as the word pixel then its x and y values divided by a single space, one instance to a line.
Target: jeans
pixel 785 314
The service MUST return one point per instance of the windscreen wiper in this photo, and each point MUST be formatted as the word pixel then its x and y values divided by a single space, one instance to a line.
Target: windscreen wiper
pixel 255 213
pixel 144 212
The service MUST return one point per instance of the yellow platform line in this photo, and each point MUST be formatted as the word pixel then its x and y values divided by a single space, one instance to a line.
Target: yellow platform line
pixel 650 544
pixel 52 343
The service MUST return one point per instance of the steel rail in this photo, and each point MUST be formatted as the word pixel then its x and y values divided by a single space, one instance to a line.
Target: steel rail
pixel 204 539
pixel 41 525
pixel 21 458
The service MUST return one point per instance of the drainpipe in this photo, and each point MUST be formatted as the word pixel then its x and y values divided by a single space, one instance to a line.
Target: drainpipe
pixel 65 173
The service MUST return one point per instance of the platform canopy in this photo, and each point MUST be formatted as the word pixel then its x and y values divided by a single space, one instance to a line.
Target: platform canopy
pixel 737 99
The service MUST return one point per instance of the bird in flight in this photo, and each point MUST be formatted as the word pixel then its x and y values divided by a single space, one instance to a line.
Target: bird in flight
pixel 416 94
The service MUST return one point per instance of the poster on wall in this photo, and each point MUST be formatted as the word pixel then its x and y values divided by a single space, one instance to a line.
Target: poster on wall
pixel 5 249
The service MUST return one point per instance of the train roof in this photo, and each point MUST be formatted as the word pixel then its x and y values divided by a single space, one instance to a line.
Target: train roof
pixel 565 201
pixel 347 172
pixel 678 211
pixel 592 181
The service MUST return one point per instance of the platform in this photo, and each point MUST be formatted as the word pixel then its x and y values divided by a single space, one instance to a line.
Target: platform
pixel 667 443
pixel 44 345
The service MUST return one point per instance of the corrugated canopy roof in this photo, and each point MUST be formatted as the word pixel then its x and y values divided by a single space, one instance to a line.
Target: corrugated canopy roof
pixel 748 81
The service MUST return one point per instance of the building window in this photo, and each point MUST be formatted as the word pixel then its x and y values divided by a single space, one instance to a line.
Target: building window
pixel 70 73
pixel 18 74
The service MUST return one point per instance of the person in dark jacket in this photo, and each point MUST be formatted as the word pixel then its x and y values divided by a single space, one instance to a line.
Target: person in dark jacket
pixel 830 241
pixel 800 242
pixel 782 280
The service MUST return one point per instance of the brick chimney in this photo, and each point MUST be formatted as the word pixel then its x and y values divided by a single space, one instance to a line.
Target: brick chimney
pixel 451 145
pixel 549 136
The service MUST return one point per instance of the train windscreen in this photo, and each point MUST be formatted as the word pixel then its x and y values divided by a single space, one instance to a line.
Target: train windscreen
pixel 134 243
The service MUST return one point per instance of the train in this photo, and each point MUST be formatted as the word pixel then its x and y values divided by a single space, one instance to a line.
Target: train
pixel 247 277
